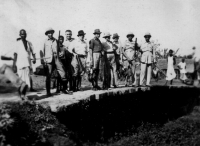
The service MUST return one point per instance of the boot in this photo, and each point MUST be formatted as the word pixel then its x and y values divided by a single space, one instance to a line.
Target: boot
pixel 64 89
pixel 48 87
pixel 74 84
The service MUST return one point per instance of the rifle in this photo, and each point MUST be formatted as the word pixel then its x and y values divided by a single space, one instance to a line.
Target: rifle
pixel 58 45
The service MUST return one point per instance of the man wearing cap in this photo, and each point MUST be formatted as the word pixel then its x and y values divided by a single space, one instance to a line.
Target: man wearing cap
pixel 52 62
pixel 95 49
pixel 69 56
pixel 109 49
pixel 25 50
pixel 129 54
pixel 80 50
pixel 147 59
pixel 118 52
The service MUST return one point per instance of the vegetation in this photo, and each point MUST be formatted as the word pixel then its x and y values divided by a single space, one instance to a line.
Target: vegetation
pixel 29 124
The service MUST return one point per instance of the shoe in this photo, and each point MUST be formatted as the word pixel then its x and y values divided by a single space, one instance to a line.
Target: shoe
pixel 33 90
pixel 136 86
pixel 149 85
pixel 49 95
pixel 98 88
pixel 22 90
pixel 67 92
pixel 115 86
pixel 143 86
pixel 57 91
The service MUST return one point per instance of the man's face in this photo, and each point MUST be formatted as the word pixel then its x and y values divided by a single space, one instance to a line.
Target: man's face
pixel 81 37
pixel 147 38
pixel 130 37
pixel 50 34
pixel 97 35
pixel 115 39
pixel 107 38
pixel 23 35
pixel 68 35
pixel 61 40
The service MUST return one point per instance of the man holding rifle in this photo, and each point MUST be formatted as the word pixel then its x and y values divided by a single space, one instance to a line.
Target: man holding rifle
pixel 129 57
pixel 80 50
pixel 51 51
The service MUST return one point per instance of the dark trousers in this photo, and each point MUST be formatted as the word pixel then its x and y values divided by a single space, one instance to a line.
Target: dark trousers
pixel 49 68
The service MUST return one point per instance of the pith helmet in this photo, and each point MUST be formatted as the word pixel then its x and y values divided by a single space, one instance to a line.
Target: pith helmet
pixel 49 30
pixel 107 34
pixel 130 34
pixel 147 34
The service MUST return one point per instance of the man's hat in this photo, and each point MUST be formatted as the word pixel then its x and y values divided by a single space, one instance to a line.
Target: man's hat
pixel 147 34
pixel 81 32
pixel 107 34
pixel 115 35
pixel 130 34
pixel 49 30
pixel 97 31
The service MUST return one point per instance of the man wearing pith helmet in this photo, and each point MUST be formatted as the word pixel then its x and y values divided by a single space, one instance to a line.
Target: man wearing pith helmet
pixel 129 51
pixel 95 48
pixel 147 59
pixel 118 52
pixel 109 49
pixel 52 62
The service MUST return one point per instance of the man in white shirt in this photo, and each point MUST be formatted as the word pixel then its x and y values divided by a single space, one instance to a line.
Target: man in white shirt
pixel 24 52
pixel 80 50
pixel 147 59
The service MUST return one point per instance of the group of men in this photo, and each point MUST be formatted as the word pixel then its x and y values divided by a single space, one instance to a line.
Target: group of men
pixel 68 57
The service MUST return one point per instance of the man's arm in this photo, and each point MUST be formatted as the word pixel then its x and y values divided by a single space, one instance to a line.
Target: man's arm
pixel 32 52
pixel 91 46
pixel 123 53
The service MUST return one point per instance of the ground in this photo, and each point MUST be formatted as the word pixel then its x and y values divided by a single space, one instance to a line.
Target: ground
pixel 10 93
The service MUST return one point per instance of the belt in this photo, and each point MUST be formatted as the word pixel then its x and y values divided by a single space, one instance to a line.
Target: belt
pixel 81 55
pixel 110 52
pixel 147 51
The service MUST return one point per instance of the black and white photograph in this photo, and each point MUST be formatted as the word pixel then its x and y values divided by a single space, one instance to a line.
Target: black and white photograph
pixel 100 73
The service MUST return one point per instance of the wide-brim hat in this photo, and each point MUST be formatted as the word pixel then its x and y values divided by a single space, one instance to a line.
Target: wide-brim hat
pixel 115 35
pixel 147 34
pixel 107 34
pixel 49 30
pixel 81 32
pixel 130 34
pixel 97 31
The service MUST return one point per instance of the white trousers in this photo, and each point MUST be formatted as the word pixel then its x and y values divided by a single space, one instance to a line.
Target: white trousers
pixel 24 75
pixel 145 73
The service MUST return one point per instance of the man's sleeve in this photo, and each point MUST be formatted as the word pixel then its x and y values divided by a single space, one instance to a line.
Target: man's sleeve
pixel 91 44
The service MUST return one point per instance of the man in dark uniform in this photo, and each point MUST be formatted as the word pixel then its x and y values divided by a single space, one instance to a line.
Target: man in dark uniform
pixel 65 60
pixel 95 49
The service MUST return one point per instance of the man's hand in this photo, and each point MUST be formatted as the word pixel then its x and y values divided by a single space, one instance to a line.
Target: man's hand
pixel 34 61
pixel 61 54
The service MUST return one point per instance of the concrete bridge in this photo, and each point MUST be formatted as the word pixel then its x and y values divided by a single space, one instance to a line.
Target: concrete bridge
pixel 62 100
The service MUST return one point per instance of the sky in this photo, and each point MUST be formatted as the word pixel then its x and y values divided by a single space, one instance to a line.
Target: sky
pixel 173 23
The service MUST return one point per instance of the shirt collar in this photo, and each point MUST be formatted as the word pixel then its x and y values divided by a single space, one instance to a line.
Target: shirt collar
pixel 70 40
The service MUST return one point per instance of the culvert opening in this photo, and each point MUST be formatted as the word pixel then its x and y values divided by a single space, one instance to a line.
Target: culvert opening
pixel 103 119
